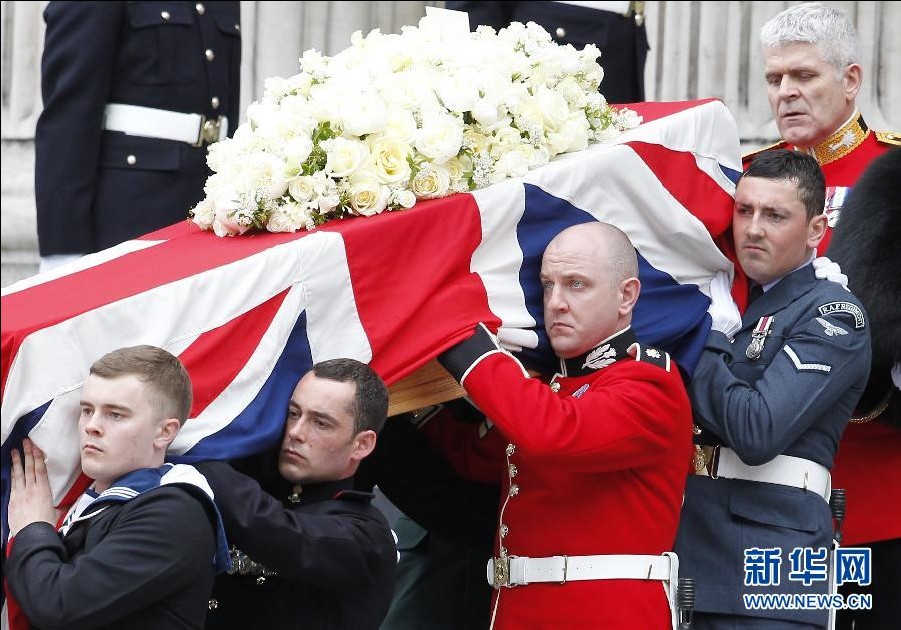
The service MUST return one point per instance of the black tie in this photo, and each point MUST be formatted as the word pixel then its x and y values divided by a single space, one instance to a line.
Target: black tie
pixel 756 292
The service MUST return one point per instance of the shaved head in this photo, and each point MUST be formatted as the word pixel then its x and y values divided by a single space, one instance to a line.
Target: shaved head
pixel 590 277
pixel 606 243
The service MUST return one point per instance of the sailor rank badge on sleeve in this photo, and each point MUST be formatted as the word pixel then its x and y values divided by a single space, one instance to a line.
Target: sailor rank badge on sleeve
pixel 758 337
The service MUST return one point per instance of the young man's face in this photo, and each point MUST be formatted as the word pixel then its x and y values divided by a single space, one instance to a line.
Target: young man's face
pixel 769 225
pixel 119 429
pixel 319 443
pixel 810 99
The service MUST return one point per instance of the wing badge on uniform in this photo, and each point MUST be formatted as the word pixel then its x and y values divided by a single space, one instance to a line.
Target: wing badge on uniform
pixel 831 329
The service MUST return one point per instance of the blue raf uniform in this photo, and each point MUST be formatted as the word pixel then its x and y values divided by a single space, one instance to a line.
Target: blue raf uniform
pixel 776 412
pixel 102 176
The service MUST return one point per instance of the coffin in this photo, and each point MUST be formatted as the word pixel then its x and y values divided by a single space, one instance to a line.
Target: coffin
pixel 248 315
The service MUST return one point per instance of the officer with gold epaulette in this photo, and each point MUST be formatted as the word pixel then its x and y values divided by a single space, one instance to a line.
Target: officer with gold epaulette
pixel 134 93
pixel 813 77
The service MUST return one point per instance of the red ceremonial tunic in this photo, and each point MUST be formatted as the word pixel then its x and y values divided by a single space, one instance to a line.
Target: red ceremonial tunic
pixel 869 455
pixel 598 467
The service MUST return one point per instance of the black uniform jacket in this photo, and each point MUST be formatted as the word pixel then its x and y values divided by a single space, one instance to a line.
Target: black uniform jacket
pixel 333 553
pixel 95 188
pixel 146 563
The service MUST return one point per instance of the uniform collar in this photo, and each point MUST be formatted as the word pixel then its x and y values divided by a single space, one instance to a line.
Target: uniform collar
pixel 844 140
pixel 789 288
pixel 302 494
pixel 612 349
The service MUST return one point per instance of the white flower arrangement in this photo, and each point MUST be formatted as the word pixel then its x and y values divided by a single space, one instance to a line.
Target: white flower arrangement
pixel 397 118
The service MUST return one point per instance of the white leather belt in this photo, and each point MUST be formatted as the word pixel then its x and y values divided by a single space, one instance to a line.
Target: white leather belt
pixel 519 570
pixel 150 122
pixel 784 470
pixel 612 6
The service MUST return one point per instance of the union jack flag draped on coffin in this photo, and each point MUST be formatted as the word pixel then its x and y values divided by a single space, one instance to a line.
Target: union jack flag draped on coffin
pixel 249 315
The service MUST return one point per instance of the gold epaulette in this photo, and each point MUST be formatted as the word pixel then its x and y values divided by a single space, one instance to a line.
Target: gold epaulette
pixel 888 137
pixel 779 144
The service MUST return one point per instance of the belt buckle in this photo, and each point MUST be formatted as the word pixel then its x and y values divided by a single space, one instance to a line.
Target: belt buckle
pixel 501 571
pixel 209 131
pixel 714 462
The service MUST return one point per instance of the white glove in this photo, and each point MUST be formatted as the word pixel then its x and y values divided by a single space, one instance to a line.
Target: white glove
pixel 825 269
pixel 723 310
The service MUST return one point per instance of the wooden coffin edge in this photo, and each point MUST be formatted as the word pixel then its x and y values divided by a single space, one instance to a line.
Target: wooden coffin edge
pixel 429 385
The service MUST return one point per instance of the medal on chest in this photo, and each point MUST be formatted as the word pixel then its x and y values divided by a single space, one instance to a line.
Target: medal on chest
pixel 758 337
pixel 835 199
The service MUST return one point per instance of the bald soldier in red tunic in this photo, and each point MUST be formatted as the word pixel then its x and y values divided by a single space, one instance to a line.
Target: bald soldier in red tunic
pixel 597 459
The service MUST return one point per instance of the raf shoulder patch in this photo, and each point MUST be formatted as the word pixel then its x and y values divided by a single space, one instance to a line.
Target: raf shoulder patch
pixel 845 307
pixel 654 356
pixel 888 137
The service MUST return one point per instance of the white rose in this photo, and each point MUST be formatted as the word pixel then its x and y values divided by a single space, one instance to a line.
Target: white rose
pixel 431 181
pixel 459 169
pixel 297 150
pixel 302 188
pixel 229 222
pixel 527 112
pixel 458 93
pixel 203 214
pixel 290 217
pixel 573 93
pixel 344 157
pixel 553 107
pixel 407 90
pixel 572 136
pixel 485 112
pixel 404 198
pixel 505 140
pixel 440 138
pixel 364 114
pixel 475 141
pixel 390 159
pixel 400 125
pixel 263 170
pixel 260 112
pixel 368 197
pixel 328 202
pixel 512 164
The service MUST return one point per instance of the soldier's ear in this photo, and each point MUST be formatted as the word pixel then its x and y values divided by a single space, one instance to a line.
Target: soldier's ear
pixel 364 444
pixel 168 429
pixel 852 78
pixel 629 290
pixel 816 230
